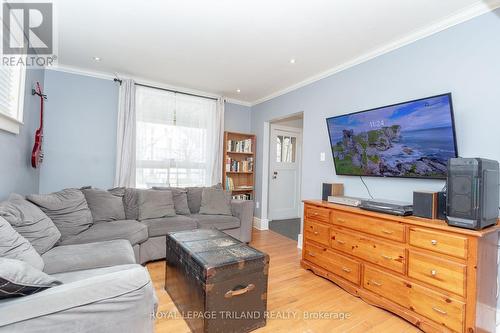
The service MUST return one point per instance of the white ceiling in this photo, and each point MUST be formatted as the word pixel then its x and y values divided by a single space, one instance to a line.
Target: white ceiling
pixel 220 46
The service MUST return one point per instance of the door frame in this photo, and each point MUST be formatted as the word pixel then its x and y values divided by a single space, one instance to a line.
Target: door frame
pixel 299 132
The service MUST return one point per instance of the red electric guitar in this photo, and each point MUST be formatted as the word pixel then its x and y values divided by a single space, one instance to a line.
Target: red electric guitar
pixel 37 153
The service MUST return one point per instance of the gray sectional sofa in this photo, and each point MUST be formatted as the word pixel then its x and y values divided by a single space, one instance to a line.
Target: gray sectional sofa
pixel 93 242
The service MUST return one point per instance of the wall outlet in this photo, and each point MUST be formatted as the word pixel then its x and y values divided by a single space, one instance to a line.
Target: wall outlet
pixel 257 204
pixel 322 157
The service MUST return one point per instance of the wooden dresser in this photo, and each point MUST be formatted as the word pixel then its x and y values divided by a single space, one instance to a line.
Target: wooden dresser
pixel 439 278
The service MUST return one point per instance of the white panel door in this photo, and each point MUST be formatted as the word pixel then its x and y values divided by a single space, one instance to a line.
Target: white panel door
pixel 284 177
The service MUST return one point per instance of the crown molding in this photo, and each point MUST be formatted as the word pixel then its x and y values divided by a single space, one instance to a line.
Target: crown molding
pixel 464 15
pixel 239 102
pixel 110 76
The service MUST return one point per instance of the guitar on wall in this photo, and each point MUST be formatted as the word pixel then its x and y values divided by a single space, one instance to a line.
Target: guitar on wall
pixel 37 153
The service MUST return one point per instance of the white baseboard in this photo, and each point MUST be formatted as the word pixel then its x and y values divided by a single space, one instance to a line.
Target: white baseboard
pixel 260 224
pixel 299 241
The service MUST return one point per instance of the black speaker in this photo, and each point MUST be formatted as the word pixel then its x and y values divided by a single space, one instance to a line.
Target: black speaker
pixel 472 192
pixel 332 190
pixel 441 206
pixel 425 204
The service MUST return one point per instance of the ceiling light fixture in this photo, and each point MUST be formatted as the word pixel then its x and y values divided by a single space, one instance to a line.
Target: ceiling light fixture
pixel 238 91
pixel 96 59
pixel 292 61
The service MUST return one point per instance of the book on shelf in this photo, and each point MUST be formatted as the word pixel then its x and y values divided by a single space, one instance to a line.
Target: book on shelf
pixel 245 196
pixel 245 165
pixel 229 184
pixel 239 146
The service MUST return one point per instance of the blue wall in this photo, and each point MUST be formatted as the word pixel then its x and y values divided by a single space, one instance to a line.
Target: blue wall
pixel 237 118
pixel 80 140
pixel 16 172
pixel 80 132
pixel 463 59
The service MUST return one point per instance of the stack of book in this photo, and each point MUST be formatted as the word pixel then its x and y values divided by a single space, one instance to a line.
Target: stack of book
pixel 229 184
pixel 239 146
pixel 233 165
pixel 246 196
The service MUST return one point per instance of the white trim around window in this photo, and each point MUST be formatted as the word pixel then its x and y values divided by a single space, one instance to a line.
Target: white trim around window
pixel 12 120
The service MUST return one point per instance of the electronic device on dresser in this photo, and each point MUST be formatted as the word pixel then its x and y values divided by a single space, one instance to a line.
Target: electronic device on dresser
pixel 425 204
pixel 388 206
pixel 347 201
pixel 332 190
pixel 441 205
pixel 472 192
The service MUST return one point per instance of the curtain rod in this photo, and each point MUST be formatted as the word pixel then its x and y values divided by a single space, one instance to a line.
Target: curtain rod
pixel 170 90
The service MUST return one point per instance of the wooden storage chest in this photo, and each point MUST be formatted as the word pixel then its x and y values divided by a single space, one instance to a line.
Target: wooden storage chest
pixel 218 283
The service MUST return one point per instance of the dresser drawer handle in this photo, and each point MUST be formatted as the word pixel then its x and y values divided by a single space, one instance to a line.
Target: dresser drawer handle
pixel 311 254
pixel 387 257
pixel 438 310
pixel 387 232
pixel 239 292
pixel 433 272
pixel 376 283
pixel 340 241
pixel 341 220
pixel 434 242
pixel 345 269
pixel 316 233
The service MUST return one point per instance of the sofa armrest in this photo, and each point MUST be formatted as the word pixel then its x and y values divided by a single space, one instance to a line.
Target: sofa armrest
pixel 122 301
pixel 243 209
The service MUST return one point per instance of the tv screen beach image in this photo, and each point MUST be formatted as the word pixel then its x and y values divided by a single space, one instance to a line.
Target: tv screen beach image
pixel 413 139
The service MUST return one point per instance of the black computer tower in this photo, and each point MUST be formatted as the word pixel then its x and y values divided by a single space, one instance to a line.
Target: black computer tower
pixel 472 192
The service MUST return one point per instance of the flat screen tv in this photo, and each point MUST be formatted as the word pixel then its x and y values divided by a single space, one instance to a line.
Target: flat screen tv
pixel 411 139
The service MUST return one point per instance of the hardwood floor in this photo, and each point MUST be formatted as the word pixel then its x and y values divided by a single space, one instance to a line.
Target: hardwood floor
pixel 296 293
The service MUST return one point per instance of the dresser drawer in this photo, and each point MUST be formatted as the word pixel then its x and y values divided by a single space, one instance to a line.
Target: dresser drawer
pixel 453 245
pixel 390 230
pixel 387 286
pixel 433 305
pixel 333 262
pixel 317 213
pixel 388 256
pixel 317 232
pixel 445 274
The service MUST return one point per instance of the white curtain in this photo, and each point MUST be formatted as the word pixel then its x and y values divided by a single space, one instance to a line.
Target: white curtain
pixel 218 141
pixel 126 136
pixel 179 139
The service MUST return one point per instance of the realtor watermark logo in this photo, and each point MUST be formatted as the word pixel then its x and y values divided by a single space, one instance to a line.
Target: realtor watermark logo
pixel 28 34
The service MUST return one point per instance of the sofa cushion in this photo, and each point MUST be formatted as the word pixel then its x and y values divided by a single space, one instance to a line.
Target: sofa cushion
pixel 69 258
pixel 120 301
pixel 155 204
pixel 162 226
pixel 18 278
pixel 15 246
pixel 133 231
pixel 104 205
pixel 179 197
pixel 221 222
pixel 130 202
pixel 73 276
pixel 68 210
pixel 215 202
pixel 30 222
pixel 194 197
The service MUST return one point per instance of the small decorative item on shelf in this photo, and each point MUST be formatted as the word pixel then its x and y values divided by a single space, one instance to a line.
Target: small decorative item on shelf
pixel 238 166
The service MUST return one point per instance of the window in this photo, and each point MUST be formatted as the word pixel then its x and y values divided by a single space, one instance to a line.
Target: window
pixel 11 97
pixel 173 134
pixel 285 149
